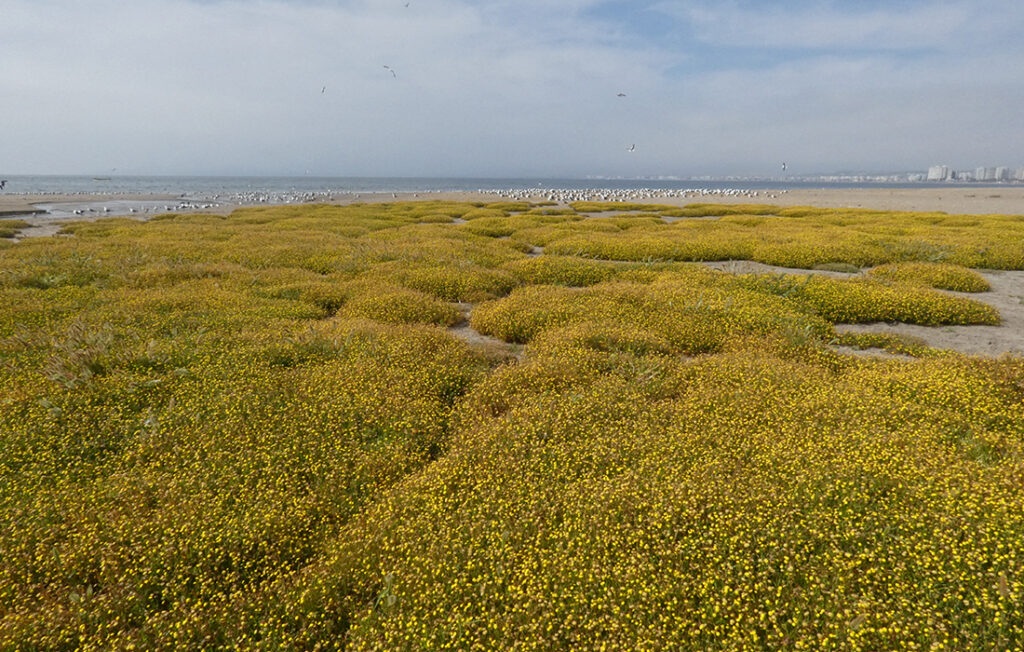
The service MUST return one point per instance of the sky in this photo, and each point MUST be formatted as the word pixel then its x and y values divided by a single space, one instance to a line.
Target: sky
pixel 509 88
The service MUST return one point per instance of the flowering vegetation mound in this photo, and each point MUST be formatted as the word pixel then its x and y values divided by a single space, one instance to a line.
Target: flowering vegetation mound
pixel 271 431
pixel 935 275
pixel 10 228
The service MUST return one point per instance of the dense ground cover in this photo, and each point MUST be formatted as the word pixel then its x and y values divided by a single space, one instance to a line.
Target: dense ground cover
pixel 259 432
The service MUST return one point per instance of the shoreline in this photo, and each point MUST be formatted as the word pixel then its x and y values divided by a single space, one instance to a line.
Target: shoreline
pixel 975 201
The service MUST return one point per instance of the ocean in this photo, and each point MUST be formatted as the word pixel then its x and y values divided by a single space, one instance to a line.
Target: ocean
pixel 209 187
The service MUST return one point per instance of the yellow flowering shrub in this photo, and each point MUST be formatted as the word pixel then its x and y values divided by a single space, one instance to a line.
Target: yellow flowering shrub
pixel 858 300
pixel 697 310
pixel 10 228
pixel 935 275
pixel 802 237
pixel 559 270
pixel 258 432
pixel 481 213
pixel 397 305
pixel 899 344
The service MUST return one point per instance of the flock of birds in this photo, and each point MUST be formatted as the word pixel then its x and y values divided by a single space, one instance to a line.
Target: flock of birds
pixel 567 195
pixel 180 206
pixel 559 195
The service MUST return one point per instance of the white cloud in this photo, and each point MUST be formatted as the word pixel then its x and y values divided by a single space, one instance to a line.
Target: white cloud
pixel 483 88
pixel 953 24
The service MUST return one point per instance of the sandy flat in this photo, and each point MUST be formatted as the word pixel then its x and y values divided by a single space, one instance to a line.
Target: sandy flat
pixel 1008 200
pixel 1004 200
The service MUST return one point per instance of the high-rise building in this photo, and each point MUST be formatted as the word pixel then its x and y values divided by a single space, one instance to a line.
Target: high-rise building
pixel 938 173
pixel 1002 174
pixel 1020 174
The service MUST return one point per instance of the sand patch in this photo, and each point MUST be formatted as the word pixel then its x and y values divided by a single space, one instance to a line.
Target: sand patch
pixel 1006 296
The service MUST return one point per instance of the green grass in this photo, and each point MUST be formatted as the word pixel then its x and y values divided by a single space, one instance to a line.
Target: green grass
pixel 10 228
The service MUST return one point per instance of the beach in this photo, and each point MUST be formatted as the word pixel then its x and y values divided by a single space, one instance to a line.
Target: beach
pixel 953 200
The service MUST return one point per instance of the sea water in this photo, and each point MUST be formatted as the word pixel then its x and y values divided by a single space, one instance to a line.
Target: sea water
pixel 209 187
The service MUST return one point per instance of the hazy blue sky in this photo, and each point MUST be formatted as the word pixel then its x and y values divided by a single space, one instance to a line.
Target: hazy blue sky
pixel 508 87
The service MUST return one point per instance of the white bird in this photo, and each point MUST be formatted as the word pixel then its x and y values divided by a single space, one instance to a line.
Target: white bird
pixel 631 147
pixel 392 71
pixel 3 183
pixel 783 166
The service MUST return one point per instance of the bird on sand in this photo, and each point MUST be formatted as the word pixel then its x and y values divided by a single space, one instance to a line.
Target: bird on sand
pixel 392 71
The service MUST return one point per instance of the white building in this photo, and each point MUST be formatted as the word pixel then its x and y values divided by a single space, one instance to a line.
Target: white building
pixel 1020 174
pixel 938 173
pixel 1002 174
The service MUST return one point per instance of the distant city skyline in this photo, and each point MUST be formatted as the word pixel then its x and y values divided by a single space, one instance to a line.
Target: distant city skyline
pixel 983 173
pixel 497 88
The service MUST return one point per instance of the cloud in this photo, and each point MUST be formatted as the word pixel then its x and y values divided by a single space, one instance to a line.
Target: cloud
pixel 950 26
pixel 236 85
pixel 493 88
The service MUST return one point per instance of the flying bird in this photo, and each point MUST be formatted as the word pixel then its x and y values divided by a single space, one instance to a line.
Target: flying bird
pixel 323 90
pixel 392 71
pixel 621 95
pixel 783 166
pixel 3 182
pixel 631 147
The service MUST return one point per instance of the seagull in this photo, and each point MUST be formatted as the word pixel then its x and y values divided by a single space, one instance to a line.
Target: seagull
pixel 631 147
pixel 783 166
pixel 323 90
pixel 3 182
pixel 621 95
pixel 392 71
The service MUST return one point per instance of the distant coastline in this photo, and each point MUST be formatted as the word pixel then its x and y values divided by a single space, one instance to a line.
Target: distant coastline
pixel 208 187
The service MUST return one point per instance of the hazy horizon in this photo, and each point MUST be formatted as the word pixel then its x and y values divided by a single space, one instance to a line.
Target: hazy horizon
pixel 502 89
